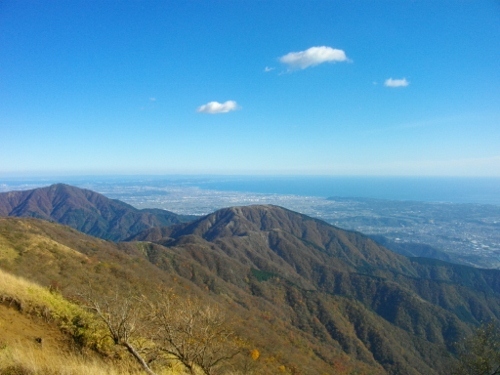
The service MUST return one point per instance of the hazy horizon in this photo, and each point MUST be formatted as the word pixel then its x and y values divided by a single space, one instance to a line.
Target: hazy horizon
pixel 478 190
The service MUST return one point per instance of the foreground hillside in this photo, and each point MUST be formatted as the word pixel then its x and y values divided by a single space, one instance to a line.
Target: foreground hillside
pixel 65 260
pixel 85 210
pixel 37 333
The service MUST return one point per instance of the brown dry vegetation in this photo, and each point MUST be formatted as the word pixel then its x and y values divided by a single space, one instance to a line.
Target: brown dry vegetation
pixel 38 330
pixel 64 260
pixel 310 298
pixel 41 333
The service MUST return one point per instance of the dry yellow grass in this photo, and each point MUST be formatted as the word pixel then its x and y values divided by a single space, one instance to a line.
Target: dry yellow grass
pixel 7 252
pixel 33 299
pixel 30 311
pixel 31 359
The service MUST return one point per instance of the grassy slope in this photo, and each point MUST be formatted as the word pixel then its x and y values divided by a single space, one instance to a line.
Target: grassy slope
pixel 29 314
pixel 66 260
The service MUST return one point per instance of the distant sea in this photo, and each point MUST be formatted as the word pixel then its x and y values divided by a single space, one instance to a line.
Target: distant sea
pixel 428 189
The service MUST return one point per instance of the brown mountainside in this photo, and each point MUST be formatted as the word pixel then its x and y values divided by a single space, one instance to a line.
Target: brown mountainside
pixel 310 296
pixel 64 259
pixel 338 286
pixel 85 210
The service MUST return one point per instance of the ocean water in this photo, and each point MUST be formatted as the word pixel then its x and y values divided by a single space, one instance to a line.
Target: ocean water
pixel 427 189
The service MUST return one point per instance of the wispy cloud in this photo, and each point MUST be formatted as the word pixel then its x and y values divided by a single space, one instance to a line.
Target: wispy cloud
pixel 390 82
pixel 268 69
pixel 312 57
pixel 216 107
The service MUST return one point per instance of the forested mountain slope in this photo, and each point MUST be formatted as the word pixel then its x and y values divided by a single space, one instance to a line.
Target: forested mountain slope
pixel 85 210
pixel 340 286
pixel 312 297
pixel 69 262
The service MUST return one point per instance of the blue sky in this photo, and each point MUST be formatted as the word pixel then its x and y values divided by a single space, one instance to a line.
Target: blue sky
pixel 250 87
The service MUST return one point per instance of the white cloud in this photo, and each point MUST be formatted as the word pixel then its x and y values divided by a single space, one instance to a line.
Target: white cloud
pixel 312 57
pixel 396 82
pixel 216 107
pixel 268 69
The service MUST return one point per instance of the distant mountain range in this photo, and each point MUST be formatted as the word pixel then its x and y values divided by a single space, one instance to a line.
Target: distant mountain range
pixel 86 211
pixel 325 293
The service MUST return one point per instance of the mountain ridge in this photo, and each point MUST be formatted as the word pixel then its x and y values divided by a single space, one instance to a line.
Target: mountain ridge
pixel 337 290
pixel 316 264
pixel 65 260
pixel 279 224
pixel 87 211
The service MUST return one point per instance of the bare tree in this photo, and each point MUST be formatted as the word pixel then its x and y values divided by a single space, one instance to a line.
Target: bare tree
pixel 185 330
pixel 126 318
pixel 196 334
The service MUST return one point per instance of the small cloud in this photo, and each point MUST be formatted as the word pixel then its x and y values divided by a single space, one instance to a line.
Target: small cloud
pixel 267 69
pixel 312 57
pixel 396 82
pixel 216 107
pixel 152 99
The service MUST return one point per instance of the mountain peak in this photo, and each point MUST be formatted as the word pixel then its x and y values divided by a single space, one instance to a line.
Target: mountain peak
pixel 274 231
pixel 85 210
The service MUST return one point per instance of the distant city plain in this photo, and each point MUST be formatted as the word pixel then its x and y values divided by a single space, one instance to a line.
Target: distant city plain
pixel 457 216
